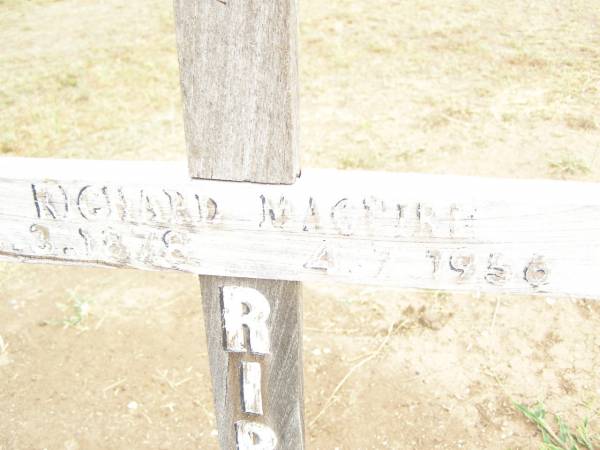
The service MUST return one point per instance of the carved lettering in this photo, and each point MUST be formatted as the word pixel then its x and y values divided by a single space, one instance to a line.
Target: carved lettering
pixel 245 308
pixel 343 217
pixel 87 240
pixel 207 208
pixel 464 264
pixel 400 221
pixel 147 248
pixel 175 244
pixel 42 237
pixel 114 246
pixel 211 209
pixel 497 273
pixel 367 216
pixel 436 258
pixel 50 200
pixel 537 272
pixel 275 212
pixel 425 217
pixel 254 436
pixel 460 221
pixel 453 213
pixel 154 204
pixel 312 222
pixel 374 209
pixel 120 204
pixel 93 202
pixel 322 259
pixel 180 210
pixel 251 387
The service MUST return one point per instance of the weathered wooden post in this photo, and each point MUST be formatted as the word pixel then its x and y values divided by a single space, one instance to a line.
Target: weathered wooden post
pixel 238 63
pixel 239 79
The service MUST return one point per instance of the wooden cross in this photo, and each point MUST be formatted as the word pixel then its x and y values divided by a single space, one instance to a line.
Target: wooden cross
pixel 253 228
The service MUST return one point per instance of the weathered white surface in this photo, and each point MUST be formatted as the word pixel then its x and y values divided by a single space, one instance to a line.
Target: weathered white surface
pixel 404 230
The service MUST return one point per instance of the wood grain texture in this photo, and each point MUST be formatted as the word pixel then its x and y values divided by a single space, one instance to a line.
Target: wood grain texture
pixel 282 389
pixel 239 80
pixel 402 230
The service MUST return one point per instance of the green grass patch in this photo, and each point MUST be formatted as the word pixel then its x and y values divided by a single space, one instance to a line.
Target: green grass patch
pixel 75 312
pixel 569 165
pixel 556 434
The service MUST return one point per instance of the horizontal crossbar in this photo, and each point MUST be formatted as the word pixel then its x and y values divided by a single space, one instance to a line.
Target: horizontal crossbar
pixel 400 230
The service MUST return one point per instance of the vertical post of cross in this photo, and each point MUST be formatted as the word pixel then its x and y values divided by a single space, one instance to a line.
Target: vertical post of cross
pixel 239 80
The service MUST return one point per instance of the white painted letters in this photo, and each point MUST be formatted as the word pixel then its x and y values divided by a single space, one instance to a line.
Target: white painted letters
pixel 251 388
pixel 254 436
pixel 245 308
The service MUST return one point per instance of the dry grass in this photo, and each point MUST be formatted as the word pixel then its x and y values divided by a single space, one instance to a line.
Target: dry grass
pixel 393 86
pixel 98 84
pixel 489 88
pixel 465 83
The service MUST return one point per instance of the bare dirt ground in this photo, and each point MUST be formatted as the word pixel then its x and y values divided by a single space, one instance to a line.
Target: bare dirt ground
pixel 100 359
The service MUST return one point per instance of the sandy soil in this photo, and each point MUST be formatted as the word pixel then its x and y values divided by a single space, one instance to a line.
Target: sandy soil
pixel 99 359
